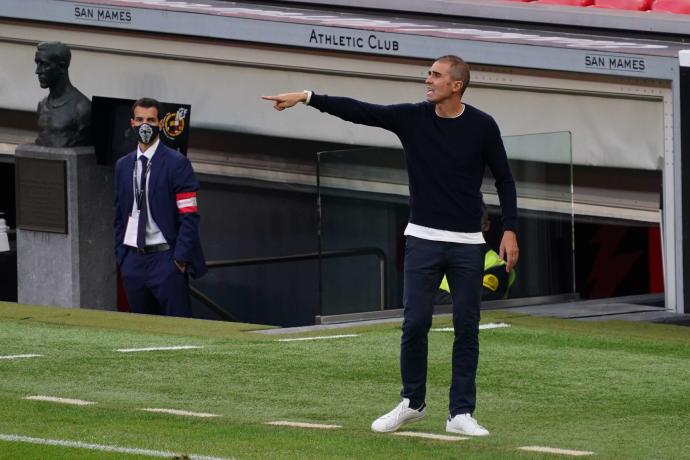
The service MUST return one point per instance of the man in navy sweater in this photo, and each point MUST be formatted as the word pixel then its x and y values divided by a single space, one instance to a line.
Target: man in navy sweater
pixel 447 144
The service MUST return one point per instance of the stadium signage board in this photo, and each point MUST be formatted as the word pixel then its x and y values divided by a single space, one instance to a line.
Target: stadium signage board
pixel 363 32
pixel 91 13
pixel 354 41
pixel 621 63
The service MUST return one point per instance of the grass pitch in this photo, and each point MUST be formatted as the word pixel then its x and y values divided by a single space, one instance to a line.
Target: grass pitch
pixel 619 389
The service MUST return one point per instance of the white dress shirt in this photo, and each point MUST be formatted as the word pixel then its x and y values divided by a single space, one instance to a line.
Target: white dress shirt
pixel 153 232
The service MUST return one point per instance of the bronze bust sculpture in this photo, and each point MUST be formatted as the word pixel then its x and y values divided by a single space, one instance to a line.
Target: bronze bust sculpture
pixel 64 116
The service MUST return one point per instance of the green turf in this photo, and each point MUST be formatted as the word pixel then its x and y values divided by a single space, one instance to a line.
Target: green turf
pixel 619 389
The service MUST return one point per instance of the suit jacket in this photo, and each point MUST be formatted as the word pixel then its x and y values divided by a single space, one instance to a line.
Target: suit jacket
pixel 172 188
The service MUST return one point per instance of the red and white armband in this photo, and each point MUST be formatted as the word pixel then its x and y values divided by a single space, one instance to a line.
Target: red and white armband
pixel 186 202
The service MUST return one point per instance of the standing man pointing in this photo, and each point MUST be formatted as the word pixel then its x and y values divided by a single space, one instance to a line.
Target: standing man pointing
pixel 157 243
pixel 447 144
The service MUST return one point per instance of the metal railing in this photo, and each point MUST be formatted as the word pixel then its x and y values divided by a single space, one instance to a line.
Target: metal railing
pixel 220 311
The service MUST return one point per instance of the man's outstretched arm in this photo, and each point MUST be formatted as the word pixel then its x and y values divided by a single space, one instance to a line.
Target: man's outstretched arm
pixel 363 113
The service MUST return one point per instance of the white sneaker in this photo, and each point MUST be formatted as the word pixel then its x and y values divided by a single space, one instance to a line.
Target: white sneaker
pixel 399 416
pixel 465 424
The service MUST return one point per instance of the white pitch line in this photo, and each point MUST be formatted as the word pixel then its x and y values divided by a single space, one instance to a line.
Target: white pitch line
pixel 103 448
pixel 134 350
pixel 303 425
pixel 439 437
pixel 180 412
pixel 321 337
pixel 493 325
pixel 19 356
pixel 553 450
pixel 481 326
pixel 74 402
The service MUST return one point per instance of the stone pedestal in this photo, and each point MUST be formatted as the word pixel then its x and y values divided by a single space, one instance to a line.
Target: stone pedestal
pixel 76 269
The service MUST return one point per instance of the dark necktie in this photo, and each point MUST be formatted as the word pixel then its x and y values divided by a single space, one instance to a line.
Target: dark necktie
pixel 142 205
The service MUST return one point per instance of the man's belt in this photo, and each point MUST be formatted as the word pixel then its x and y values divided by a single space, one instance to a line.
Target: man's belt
pixel 152 248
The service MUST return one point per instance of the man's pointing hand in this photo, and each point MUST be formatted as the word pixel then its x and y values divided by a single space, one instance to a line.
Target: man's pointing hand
pixel 286 100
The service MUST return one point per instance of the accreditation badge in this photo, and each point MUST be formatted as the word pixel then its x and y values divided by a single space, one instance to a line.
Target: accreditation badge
pixel 131 230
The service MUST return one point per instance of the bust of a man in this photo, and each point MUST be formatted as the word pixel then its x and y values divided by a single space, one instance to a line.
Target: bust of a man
pixel 64 116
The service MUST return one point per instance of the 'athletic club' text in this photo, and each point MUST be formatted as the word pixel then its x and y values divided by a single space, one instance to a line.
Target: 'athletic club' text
pixel 371 42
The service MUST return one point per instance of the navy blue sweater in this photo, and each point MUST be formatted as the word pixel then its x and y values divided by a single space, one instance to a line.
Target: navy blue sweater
pixel 446 159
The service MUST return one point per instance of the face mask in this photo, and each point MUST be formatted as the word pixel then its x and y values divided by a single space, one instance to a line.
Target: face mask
pixel 145 132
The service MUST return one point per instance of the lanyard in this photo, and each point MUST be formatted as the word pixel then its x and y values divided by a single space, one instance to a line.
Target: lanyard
pixel 139 194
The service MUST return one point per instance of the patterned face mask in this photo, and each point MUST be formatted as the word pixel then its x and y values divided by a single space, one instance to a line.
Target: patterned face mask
pixel 145 132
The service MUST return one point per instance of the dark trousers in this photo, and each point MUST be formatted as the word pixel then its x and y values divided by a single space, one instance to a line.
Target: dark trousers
pixel 425 264
pixel 154 285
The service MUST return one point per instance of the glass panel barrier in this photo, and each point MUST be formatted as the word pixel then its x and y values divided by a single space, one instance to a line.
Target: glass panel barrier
pixel 362 211
pixel 543 172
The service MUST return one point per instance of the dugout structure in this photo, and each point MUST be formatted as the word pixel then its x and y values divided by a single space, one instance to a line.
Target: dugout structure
pixel 613 81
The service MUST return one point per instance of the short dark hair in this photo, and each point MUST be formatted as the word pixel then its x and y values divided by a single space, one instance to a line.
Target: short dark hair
pixel 148 102
pixel 459 69
pixel 56 51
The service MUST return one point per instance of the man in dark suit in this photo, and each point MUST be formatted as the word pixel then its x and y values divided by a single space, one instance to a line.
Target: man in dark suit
pixel 157 243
